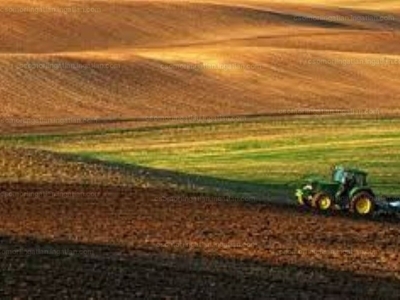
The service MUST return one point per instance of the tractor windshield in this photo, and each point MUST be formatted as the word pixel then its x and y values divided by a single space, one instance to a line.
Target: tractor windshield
pixel 339 175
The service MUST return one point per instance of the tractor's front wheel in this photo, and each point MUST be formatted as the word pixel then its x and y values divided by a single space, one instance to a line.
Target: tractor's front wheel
pixel 323 202
pixel 363 204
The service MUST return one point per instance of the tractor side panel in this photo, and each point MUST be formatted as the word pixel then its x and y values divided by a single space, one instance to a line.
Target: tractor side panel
pixel 329 188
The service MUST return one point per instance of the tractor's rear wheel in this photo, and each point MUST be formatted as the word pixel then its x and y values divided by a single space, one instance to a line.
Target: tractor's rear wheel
pixel 323 202
pixel 363 204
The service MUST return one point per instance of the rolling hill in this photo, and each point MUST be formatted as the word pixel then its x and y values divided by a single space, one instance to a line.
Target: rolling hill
pixel 70 61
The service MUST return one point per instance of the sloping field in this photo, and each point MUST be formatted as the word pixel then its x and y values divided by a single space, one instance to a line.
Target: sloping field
pixel 67 62
pixel 366 4
pixel 31 165
pixel 119 243
pixel 255 159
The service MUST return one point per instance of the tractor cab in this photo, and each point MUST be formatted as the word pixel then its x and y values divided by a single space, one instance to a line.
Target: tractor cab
pixel 343 176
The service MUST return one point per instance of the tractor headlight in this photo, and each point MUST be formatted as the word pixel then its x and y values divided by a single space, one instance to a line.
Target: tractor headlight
pixel 308 187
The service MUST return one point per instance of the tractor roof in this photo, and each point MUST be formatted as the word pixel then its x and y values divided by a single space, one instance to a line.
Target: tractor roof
pixel 353 170
pixel 356 171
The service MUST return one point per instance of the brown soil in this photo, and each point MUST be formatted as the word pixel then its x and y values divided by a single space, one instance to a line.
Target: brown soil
pixel 71 240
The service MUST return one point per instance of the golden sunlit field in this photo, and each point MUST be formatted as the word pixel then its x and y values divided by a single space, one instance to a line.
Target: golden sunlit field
pixel 150 149
pixel 65 61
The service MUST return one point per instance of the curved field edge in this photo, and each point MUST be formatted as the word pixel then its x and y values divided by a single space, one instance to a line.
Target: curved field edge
pixel 256 159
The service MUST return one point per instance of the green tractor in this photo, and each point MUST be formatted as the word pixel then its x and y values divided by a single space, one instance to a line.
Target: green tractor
pixel 347 190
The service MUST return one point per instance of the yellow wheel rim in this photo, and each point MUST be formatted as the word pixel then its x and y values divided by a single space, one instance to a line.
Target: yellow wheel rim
pixel 325 203
pixel 363 206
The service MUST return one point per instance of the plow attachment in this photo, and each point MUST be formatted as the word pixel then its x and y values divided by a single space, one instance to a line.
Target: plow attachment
pixel 388 206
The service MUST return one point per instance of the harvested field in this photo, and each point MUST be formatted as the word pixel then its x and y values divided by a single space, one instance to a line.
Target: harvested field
pixel 64 62
pixel 103 241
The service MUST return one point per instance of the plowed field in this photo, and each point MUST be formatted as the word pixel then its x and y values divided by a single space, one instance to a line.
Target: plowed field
pixel 71 240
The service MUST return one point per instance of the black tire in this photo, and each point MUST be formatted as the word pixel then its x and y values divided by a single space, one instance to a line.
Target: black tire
pixel 323 202
pixel 363 204
pixel 307 203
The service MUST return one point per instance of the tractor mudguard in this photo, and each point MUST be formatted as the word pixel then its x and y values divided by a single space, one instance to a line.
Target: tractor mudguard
pixel 358 190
